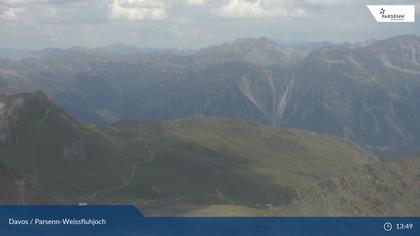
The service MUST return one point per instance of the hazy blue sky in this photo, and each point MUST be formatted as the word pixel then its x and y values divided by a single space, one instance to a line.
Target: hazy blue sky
pixel 188 23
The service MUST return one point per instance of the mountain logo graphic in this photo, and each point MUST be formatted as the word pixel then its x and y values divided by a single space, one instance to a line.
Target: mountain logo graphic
pixel 382 12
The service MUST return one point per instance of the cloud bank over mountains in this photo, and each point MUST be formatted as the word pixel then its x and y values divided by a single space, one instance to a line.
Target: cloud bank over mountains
pixel 144 10
pixel 170 23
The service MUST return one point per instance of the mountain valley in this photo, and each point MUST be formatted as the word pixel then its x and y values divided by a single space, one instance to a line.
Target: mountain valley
pixel 367 93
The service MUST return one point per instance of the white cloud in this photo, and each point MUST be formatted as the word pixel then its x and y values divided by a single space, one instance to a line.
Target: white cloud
pixel 11 14
pixel 39 11
pixel 325 3
pixel 258 9
pixel 34 2
pixel 138 10
pixel 12 2
pixel 196 2
pixel 20 2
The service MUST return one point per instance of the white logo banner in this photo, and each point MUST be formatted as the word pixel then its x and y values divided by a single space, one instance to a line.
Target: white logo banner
pixel 393 13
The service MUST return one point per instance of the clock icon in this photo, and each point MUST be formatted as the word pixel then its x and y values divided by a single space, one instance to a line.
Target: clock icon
pixel 387 226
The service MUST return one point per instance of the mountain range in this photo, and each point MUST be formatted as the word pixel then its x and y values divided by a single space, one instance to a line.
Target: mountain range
pixel 366 92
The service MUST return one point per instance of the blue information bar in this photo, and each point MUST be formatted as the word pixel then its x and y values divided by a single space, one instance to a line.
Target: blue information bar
pixel 127 220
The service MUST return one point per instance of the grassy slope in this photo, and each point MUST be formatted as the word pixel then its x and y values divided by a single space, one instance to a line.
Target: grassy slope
pixel 199 161
pixel 208 161
pixel 294 158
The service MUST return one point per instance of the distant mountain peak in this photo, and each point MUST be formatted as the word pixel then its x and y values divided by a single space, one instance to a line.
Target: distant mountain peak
pixel 262 41
pixel 259 51
pixel 397 41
